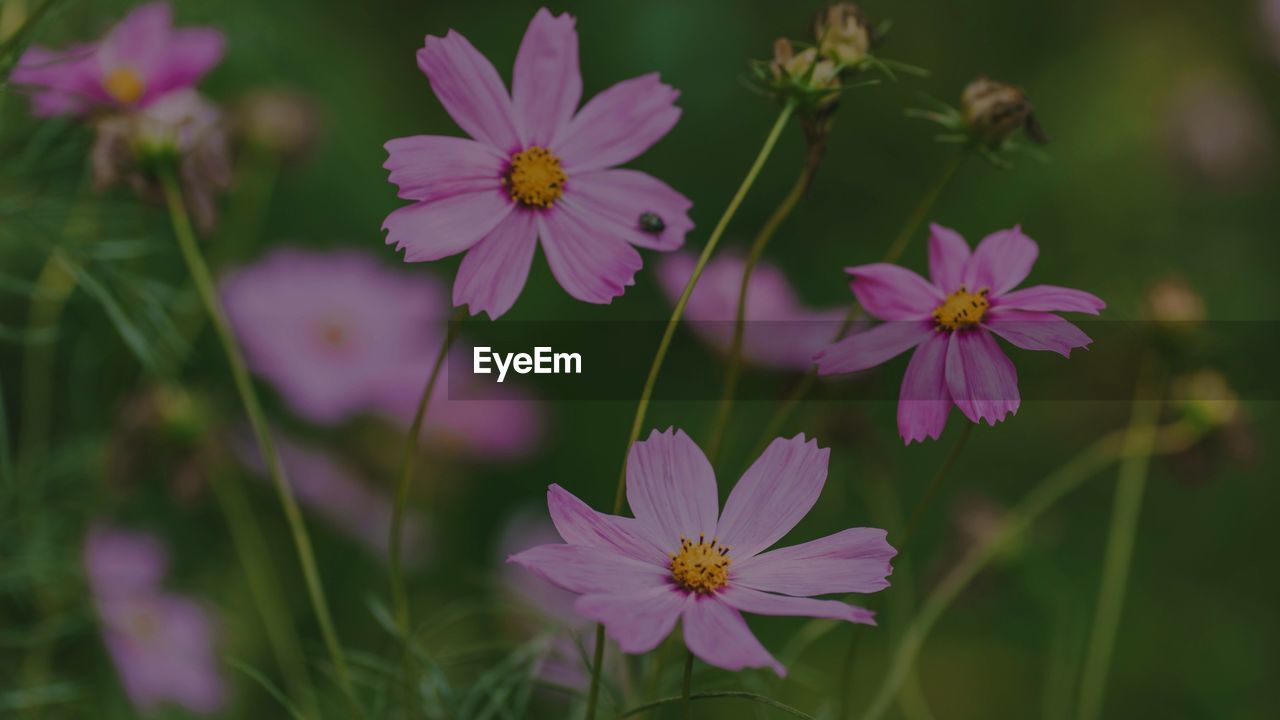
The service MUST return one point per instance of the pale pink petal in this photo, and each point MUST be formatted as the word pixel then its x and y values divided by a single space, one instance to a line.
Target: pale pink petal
pixel 625 195
pixel 589 257
pixel 578 524
pixel 1001 261
pixel 773 495
pixel 434 167
pixel 618 124
pixel 138 41
pixel 717 635
pixel 638 621
pixel 981 378
pixel 591 570
pixel 948 254
pixel 1050 298
pixel 63 82
pixel 869 348
pixel 853 560
pixel 924 401
pixel 890 292
pixel 191 53
pixel 763 603
pixel 1036 331
pixel 495 269
pixel 671 489
pixel 547 85
pixel 470 90
pixel 434 230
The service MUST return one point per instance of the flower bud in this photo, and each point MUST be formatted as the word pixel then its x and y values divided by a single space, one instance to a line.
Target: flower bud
pixel 842 34
pixel 283 122
pixel 814 81
pixel 1207 398
pixel 994 110
pixel 1173 303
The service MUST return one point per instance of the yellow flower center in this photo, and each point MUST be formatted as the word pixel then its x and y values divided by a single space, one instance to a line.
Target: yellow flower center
pixel 124 85
pixel 702 566
pixel 535 178
pixel 334 334
pixel 961 309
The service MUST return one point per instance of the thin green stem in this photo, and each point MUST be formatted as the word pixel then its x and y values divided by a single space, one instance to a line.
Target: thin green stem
pixel 943 472
pixel 655 369
pixel 721 695
pixel 1130 484
pixel 207 291
pixel 687 691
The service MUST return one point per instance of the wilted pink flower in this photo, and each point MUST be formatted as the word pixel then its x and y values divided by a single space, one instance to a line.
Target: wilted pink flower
pixel 951 321
pixel 339 334
pixel 780 331
pixel 681 559
pixel 535 170
pixel 161 643
pixel 139 61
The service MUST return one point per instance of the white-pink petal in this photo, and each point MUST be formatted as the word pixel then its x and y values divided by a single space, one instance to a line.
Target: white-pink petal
pixel 434 230
pixel 891 292
pixel 948 254
pixel 671 489
pixel 1050 298
pixel 636 621
pixel 1036 330
pixel 773 495
pixel 495 269
pixel 625 195
pixel 591 570
pixel 981 378
pixel 924 402
pixel 762 603
pixel 434 167
pixel 617 125
pixel 588 256
pixel 717 635
pixel 470 89
pixel 546 85
pixel 1001 261
pixel 852 560
pixel 578 524
pixel 870 348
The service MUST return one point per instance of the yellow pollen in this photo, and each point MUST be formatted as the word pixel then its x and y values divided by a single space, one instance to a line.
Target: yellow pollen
pixel 701 567
pixel 124 85
pixel 334 335
pixel 535 178
pixel 962 309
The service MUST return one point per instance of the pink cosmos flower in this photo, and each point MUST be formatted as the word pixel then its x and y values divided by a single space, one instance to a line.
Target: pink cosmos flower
pixel 951 321
pixel 780 331
pixel 161 643
pixel 140 60
pixel 680 558
pixel 535 170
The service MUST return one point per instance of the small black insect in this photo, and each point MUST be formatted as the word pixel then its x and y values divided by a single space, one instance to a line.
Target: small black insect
pixel 652 223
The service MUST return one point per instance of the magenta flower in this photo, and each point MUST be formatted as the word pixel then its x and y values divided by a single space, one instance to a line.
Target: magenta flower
pixel 780 331
pixel 162 644
pixel 681 559
pixel 535 170
pixel 140 60
pixel 951 321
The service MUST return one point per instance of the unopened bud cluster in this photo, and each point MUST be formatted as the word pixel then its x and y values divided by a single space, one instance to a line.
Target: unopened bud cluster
pixel 993 111
pixel 813 75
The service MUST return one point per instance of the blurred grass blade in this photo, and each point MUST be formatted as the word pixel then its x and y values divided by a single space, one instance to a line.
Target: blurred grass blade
pixel 267 685
pixel 37 697
pixel 129 332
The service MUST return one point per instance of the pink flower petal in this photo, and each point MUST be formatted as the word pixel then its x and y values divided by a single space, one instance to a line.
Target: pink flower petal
pixel 64 82
pixel 1036 331
pixel 773 495
pixel 138 41
pixel 671 489
pixel 191 53
pixel 982 380
pixel 639 621
pixel 869 348
pixel 470 90
pixel 435 167
pixel 948 254
pixel 890 292
pixel 578 524
pixel 717 635
pixel 591 570
pixel 625 195
pixel 617 125
pixel 430 231
pixel 589 256
pixel 763 603
pixel 495 269
pixel 1001 262
pixel 924 401
pixel 1050 298
pixel 853 560
pixel 547 85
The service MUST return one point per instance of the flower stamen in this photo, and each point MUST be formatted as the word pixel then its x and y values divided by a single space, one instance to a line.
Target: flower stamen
pixel 962 309
pixel 535 178
pixel 124 84
pixel 701 567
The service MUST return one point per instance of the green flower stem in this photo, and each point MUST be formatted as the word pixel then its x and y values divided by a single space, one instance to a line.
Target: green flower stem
pixel 687 692
pixel 733 362
pixel 204 284
pixel 1130 484
pixel 1066 479
pixel 722 695
pixel 642 407
pixel 938 478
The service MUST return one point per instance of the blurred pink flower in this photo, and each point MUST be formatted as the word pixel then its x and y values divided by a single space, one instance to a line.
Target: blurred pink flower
pixel 780 332
pixel 951 320
pixel 1216 128
pixel 139 60
pixel 534 170
pixel 340 334
pixel 681 559
pixel 162 644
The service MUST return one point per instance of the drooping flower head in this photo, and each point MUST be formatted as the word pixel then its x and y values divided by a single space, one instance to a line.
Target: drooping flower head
pixel 952 320
pixel 139 61
pixel 682 559
pixel 162 644
pixel 537 171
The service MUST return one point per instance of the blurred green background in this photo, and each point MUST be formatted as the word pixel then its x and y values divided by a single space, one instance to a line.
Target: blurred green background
pixel 1162 161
